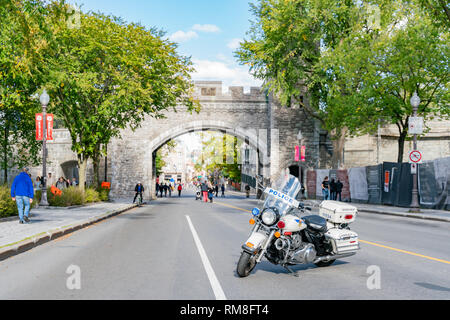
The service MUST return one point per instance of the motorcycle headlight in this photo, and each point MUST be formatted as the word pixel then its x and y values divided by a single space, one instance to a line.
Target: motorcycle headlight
pixel 269 217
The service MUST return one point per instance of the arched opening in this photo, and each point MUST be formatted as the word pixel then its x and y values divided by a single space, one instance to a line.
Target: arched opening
pixel 70 170
pixel 249 141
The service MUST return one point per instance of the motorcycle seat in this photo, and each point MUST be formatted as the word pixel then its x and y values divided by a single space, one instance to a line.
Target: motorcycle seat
pixel 316 223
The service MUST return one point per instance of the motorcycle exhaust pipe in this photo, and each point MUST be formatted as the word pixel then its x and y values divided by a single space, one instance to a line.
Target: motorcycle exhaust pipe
pixel 281 244
pixel 334 257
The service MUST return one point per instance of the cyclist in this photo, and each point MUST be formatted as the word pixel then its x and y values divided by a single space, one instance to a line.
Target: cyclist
pixel 139 191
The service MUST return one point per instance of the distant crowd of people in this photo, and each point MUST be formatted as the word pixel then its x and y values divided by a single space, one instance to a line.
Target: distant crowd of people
pixel 209 190
pixel 62 183
pixel 168 189
pixel 332 190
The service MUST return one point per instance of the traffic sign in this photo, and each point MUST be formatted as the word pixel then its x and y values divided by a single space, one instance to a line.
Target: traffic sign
pixel 413 168
pixel 415 157
pixel 415 125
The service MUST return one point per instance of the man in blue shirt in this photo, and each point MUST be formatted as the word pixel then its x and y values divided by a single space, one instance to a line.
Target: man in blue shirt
pixel 139 191
pixel 22 193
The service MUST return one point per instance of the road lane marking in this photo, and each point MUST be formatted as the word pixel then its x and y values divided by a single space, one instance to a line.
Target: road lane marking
pixel 366 242
pixel 218 292
pixel 230 206
pixel 404 251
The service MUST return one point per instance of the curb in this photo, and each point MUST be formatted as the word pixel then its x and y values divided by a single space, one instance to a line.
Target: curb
pixel 48 236
pixel 406 215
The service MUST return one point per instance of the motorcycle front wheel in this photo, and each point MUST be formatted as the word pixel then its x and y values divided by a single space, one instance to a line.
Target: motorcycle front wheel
pixel 246 264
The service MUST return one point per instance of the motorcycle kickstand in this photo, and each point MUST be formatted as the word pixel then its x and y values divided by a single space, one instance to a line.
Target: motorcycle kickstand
pixel 292 272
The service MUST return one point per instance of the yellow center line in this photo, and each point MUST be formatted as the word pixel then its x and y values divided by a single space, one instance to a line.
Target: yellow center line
pixel 363 241
pixel 230 206
pixel 404 251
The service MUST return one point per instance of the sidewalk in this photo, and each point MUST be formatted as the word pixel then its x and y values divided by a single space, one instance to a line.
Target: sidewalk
pixel 48 224
pixel 427 214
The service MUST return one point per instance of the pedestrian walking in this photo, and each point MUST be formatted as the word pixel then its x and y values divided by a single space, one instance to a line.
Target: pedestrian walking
pixel 216 189
pixel 204 192
pixel 180 188
pixel 38 184
pixel 326 189
pixel 170 190
pixel 22 193
pixel 50 180
pixel 332 190
pixel 61 184
pixel 157 189
pixel 339 187
pixel 210 194
pixel 223 190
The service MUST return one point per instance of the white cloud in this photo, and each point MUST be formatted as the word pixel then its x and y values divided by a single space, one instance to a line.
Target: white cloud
pixel 234 43
pixel 206 28
pixel 181 36
pixel 230 74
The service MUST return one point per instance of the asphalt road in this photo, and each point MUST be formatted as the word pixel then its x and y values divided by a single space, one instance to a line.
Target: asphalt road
pixel 182 249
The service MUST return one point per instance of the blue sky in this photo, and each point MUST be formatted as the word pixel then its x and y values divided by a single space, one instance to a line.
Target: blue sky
pixel 207 31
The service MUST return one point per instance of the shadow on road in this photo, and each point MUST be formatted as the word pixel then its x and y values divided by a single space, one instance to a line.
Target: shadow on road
pixel 431 286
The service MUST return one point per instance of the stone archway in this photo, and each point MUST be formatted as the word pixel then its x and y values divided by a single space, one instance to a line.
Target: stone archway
pixel 251 137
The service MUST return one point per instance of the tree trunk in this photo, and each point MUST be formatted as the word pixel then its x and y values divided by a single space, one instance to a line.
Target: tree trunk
pixel 401 145
pixel 82 163
pixel 5 155
pixel 96 163
pixel 338 138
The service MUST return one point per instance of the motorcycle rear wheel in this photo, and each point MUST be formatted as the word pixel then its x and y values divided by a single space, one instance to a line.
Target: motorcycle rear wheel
pixel 322 264
pixel 246 264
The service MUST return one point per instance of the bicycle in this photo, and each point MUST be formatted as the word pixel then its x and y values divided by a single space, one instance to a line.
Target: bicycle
pixel 139 200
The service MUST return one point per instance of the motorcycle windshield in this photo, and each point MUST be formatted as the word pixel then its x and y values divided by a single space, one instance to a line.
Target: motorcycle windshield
pixel 286 185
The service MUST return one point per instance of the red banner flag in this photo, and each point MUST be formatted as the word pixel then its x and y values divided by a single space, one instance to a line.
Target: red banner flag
pixel 50 120
pixel 297 153
pixel 303 154
pixel 39 127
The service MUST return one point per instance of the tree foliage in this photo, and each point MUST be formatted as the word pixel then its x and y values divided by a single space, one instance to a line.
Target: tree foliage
pixel 22 39
pixel 106 75
pixel 221 153
pixel 358 61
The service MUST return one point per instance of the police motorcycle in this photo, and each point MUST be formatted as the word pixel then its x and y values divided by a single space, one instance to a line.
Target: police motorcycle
pixel 285 236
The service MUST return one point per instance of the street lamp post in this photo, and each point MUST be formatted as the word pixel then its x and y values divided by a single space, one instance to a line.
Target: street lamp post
pixel 415 206
pixel 44 99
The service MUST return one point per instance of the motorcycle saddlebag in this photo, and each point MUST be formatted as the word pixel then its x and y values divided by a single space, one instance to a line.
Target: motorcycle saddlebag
pixel 337 212
pixel 342 240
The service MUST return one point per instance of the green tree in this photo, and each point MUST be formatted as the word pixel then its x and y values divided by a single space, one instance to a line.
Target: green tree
pixel 107 75
pixel 162 154
pixel 221 153
pixel 22 39
pixel 377 74
pixel 286 43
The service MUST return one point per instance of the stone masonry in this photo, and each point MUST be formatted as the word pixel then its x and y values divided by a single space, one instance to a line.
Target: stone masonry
pixel 269 129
